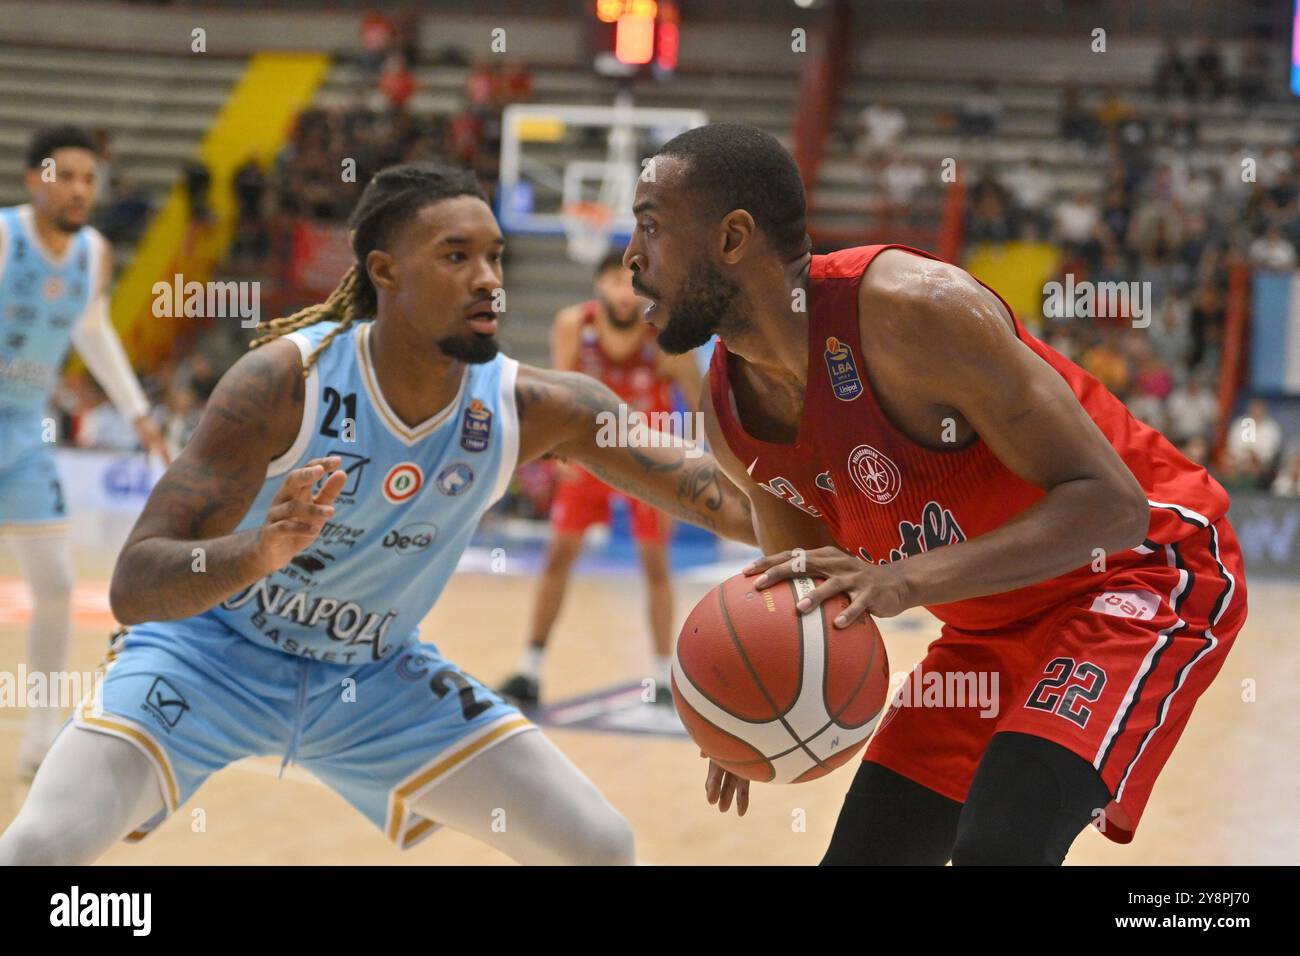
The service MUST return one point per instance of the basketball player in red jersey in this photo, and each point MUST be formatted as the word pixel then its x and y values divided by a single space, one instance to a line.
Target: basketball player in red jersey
pixel 606 339
pixel 878 405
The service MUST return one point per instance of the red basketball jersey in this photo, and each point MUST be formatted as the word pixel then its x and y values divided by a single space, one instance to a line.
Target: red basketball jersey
pixel 636 379
pixel 884 497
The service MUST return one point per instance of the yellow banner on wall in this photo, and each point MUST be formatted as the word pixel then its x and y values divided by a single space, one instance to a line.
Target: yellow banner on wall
pixel 254 122
pixel 1017 271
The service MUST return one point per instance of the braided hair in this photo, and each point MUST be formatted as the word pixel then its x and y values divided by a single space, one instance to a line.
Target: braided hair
pixel 390 200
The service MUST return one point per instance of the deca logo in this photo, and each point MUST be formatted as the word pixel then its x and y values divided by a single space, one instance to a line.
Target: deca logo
pixel 412 538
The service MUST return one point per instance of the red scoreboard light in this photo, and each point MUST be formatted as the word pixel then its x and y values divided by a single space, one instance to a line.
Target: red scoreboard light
pixel 639 33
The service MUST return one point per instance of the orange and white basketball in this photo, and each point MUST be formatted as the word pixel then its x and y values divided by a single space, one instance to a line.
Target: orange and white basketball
pixel 772 694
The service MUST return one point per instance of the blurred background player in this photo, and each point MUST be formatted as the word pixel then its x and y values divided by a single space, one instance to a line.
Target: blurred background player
pixel 606 338
pixel 55 272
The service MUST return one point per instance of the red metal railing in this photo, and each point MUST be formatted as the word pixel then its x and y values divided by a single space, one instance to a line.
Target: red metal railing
pixel 821 83
pixel 1232 364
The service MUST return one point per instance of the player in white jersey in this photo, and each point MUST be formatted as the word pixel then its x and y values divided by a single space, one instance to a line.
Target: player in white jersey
pixel 54 278
pixel 317 581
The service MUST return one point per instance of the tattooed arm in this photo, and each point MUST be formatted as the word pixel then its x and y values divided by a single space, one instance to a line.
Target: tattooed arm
pixel 560 416
pixel 181 557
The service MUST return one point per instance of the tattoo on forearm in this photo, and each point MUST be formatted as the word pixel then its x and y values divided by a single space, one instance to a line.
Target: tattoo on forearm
pixel 701 481
pixel 650 465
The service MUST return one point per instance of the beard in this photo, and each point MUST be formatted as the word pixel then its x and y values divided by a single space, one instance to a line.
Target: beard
pixel 705 305
pixel 474 350
pixel 622 323
pixel 65 224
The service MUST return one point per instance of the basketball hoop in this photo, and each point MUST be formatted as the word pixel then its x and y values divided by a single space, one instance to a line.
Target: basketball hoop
pixel 587 228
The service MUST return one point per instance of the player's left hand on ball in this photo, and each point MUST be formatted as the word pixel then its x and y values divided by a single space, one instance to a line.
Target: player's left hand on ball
pixel 720 786
pixel 872 589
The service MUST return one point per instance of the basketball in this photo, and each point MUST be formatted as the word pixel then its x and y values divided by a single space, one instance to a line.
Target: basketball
pixel 772 694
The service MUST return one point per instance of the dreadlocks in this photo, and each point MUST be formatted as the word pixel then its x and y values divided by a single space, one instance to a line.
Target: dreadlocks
pixel 390 200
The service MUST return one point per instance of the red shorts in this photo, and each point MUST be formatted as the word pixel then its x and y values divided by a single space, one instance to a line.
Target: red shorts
pixel 1112 676
pixel 583 501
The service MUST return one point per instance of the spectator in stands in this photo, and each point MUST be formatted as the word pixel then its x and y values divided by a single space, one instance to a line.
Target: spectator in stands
pixel 1173 75
pixel 518 84
pixel 199 374
pixel 1116 214
pixel 1078 123
pixel 250 244
pixel 397 82
pixel 480 88
pixel 1180 129
pixel 377 38
pixel 901 178
pixel 1031 185
pixel 1253 72
pixel 1171 331
pixel 104 150
pixel 1153 376
pixel 1193 411
pixel 991 217
pixel 463 138
pixel 124 218
pixel 1061 336
pixel 883 124
pixel 1077 226
pixel 1254 445
pixel 1208 76
pixel 198 183
pixel 1272 251
pixel 1207 320
pixel 1110 367
pixel 180 416
pixel 1287 482
pixel 1234 184
pixel 99 424
pixel 1199 238
pixel 1115 110
pixel 981 111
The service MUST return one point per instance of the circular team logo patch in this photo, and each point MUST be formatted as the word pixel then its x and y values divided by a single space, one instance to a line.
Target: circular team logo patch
pixel 403 482
pixel 876 475
pixel 455 478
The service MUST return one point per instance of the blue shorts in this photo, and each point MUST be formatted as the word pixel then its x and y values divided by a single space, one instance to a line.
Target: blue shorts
pixel 195 695
pixel 30 493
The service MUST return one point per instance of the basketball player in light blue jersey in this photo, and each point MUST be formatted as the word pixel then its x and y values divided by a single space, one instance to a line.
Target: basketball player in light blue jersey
pixel 273 586
pixel 54 278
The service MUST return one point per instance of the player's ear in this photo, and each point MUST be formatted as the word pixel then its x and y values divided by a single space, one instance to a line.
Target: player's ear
pixel 738 229
pixel 380 266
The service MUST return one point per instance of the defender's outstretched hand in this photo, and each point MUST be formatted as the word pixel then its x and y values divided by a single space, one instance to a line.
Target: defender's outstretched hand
pixel 297 515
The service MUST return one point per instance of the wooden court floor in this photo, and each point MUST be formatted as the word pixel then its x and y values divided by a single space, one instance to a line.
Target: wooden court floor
pixel 1229 795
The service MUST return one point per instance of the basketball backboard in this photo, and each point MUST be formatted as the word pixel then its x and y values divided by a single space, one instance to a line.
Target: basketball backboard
pixel 572 169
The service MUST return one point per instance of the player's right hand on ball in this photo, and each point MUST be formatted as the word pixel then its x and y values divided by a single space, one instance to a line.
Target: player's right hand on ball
pixel 721 785
pixel 296 514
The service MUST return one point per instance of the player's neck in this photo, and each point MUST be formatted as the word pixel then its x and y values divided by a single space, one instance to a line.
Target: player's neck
pixel 53 240
pixel 775 340
pixel 416 379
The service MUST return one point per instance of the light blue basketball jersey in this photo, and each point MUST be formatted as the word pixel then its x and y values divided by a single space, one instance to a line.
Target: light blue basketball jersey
pixel 40 301
pixel 411 503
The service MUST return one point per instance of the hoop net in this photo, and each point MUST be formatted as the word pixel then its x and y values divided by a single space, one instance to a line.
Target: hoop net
pixel 587 228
